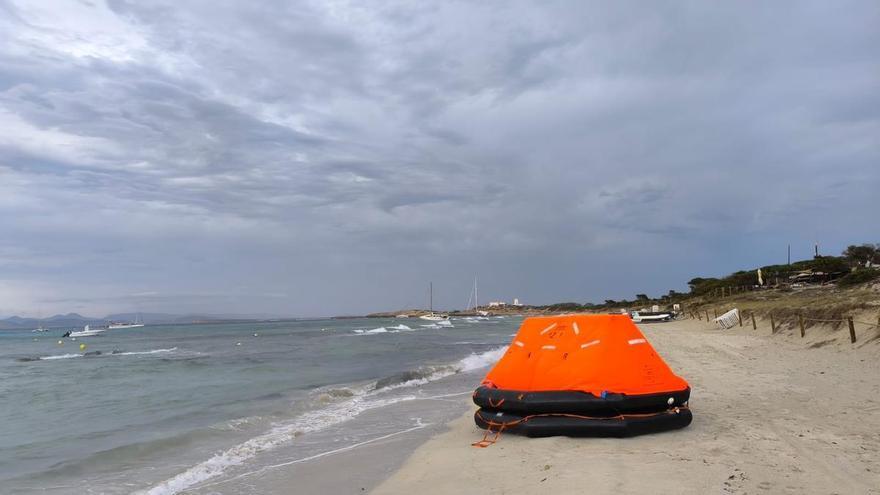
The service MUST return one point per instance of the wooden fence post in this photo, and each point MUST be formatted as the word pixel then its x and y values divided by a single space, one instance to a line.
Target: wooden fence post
pixel 772 324
pixel 707 315
pixel 754 325
pixel 852 329
pixel 715 311
pixel 739 315
pixel 801 320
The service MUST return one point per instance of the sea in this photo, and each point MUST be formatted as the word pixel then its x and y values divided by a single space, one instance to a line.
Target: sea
pixel 175 408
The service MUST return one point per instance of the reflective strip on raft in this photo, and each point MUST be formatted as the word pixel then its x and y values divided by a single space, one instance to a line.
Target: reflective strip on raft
pixel 549 347
pixel 590 343
pixel 577 331
pixel 636 341
pixel 551 327
pixel 519 343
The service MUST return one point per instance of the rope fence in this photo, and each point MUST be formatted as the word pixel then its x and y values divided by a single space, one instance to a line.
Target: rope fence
pixel 802 320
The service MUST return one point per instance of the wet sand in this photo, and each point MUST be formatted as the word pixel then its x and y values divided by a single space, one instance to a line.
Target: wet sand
pixel 772 415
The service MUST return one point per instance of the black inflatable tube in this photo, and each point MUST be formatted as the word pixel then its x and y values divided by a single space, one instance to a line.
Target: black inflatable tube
pixel 558 425
pixel 568 401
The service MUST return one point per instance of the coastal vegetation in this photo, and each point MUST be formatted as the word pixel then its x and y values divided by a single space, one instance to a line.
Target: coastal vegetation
pixel 829 285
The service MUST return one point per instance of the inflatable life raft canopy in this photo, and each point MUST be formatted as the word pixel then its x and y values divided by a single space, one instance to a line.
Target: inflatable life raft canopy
pixel 581 375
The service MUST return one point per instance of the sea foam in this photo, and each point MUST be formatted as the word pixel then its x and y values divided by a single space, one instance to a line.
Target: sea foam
pixel 60 356
pixel 361 400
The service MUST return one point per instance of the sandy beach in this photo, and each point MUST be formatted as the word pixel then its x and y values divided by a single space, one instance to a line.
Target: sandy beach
pixel 772 414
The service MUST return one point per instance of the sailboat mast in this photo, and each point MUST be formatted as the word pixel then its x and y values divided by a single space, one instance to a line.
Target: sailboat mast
pixel 431 291
pixel 476 301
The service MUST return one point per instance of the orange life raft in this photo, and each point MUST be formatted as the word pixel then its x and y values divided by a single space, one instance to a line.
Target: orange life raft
pixel 581 375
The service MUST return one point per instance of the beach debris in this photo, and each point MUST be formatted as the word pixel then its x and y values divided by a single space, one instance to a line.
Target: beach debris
pixel 729 319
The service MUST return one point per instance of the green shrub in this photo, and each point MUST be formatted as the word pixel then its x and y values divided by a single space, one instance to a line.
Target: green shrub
pixel 858 277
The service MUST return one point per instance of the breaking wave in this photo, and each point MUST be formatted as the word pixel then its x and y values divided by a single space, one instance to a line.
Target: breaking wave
pixel 59 356
pixel 394 329
pixel 341 404
pixel 428 374
pixel 97 354
pixel 278 435
pixel 138 353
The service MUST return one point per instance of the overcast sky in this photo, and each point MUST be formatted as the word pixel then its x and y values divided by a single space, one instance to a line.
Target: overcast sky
pixel 333 157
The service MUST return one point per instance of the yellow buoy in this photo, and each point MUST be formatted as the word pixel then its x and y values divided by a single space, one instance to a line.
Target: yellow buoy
pixel 82 347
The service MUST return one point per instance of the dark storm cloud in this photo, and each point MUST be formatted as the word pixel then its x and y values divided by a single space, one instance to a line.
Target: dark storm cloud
pixel 327 157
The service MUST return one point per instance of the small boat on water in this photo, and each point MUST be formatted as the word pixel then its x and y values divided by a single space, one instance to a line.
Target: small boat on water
pixel 435 317
pixel 118 325
pixel 432 316
pixel 40 328
pixel 86 332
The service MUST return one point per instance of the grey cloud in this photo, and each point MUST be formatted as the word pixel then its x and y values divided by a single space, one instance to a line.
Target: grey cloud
pixel 345 154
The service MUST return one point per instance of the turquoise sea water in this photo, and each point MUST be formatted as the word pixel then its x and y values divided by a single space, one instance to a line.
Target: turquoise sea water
pixel 163 409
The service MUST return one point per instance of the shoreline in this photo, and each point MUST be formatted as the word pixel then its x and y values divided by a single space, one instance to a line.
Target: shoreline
pixel 764 421
pixel 365 465
pixel 351 468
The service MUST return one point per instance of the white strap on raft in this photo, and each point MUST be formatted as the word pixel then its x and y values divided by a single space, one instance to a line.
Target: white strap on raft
pixel 551 327
pixel 636 341
pixel 590 343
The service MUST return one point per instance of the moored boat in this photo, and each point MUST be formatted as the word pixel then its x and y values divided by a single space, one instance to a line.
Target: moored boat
pixel 432 316
pixel 87 331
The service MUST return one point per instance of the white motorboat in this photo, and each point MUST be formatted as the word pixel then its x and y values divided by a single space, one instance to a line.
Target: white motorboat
pixel 87 332
pixel 650 317
pixel 118 325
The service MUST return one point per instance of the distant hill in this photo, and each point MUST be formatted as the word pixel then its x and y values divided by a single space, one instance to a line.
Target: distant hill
pixel 56 321
pixel 76 320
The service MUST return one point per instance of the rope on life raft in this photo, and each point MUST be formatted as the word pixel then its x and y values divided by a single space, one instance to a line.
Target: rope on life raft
pixel 486 441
